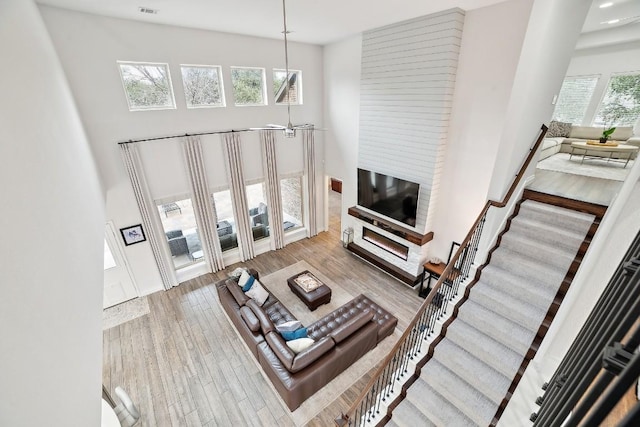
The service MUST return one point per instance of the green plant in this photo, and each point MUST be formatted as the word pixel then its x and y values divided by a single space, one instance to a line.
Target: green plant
pixel 606 133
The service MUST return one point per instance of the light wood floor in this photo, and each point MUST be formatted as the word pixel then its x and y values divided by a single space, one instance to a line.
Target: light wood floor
pixel 577 187
pixel 184 365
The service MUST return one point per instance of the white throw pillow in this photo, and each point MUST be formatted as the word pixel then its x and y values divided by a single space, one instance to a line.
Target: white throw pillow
pixel 257 293
pixel 237 272
pixel 300 344
pixel 244 277
pixel 290 326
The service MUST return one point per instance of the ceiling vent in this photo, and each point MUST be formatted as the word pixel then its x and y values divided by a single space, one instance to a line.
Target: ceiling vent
pixel 142 9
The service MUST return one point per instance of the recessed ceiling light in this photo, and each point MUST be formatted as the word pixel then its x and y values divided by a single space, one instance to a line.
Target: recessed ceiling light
pixel 607 4
pixel 613 21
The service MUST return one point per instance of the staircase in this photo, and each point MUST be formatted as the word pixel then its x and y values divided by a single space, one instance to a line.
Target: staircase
pixel 472 369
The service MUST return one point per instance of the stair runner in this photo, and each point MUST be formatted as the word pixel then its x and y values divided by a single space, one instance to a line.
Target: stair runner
pixel 473 367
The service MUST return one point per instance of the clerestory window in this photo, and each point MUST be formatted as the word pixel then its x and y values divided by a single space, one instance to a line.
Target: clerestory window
pixel 147 86
pixel 202 86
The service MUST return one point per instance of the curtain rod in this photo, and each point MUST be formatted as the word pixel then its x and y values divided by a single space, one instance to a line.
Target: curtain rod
pixel 133 141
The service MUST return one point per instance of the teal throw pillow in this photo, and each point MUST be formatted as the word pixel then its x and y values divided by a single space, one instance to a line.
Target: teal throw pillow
pixel 249 284
pixel 290 336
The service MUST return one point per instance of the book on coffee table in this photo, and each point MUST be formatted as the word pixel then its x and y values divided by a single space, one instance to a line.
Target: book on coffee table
pixel 308 282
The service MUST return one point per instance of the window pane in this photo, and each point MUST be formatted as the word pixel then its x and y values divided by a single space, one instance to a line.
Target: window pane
pixel 258 216
pixel 248 86
pixel 226 225
pixel 291 189
pixel 621 103
pixel 147 86
pixel 280 86
pixel 179 224
pixel 574 98
pixel 202 86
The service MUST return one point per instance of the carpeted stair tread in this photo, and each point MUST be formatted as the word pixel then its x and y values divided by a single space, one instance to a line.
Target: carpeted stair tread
pixel 544 253
pixel 521 312
pixel 473 366
pixel 554 211
pixel 497 327
pixel 439 410
pixel 526 267
pixel 407 414
pixel 546 233
pixel 534 291
pixel 468 400
pixel 479 375
pixel 560 217
pixel 493 353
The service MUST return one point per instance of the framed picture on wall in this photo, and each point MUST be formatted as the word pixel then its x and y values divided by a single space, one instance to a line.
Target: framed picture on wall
pixel 133 234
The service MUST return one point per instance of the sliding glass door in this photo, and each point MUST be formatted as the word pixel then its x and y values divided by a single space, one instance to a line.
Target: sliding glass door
pixel 181 232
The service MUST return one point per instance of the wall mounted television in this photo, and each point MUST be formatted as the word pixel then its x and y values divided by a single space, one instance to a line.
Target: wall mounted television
pixel 389 196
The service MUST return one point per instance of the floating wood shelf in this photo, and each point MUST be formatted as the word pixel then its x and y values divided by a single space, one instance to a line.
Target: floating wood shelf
pixel 393 228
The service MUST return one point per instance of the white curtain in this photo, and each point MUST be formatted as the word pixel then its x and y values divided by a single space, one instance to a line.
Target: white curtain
pixel 309 149
pixel 274 197
pixel 149 214
pixel 202 202
pixel 235 171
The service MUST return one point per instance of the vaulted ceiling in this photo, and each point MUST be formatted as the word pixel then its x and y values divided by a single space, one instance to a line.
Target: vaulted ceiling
pixel 310 21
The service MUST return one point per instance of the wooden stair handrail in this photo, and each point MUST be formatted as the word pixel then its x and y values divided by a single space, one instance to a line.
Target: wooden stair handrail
pixel 523 169
pixel 340 421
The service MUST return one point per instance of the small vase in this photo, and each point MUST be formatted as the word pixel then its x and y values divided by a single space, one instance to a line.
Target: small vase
pixel 603 140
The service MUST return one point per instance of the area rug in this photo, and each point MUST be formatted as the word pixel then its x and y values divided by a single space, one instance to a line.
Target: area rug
pixel 277 284
pixel 597 168
pixel 121 313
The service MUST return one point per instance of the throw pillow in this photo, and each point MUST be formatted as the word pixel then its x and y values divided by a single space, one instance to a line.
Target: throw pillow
pixel 249 284
pixel 237 272
pixel 257 293
pixel 290 336
pixel 243 278
pixel 290 326
pixel 300 344
pixel 559 129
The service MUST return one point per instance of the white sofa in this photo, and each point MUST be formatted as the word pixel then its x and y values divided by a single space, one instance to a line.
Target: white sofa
pixel 562 144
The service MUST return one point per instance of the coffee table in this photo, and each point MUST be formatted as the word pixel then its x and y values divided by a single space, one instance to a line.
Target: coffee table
pixel 312 299
pixel 620 149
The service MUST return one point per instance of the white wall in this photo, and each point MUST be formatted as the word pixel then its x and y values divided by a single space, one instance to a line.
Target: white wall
pixel 342 111
pixel 52 237
pixel 549 43
pixel 491 44
pixel 609 37
pixel 89 47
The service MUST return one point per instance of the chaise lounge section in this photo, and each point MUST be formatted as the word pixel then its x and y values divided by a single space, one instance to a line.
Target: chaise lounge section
pixel 341 338
pixel 561 135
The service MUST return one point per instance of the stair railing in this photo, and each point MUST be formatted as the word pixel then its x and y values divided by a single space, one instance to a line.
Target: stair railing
pixel 394 369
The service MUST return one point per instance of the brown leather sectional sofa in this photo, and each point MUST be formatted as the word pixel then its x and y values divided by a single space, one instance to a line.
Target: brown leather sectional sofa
pixel 341 338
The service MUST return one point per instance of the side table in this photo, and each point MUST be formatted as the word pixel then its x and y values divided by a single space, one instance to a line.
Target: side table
pixel 434 271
